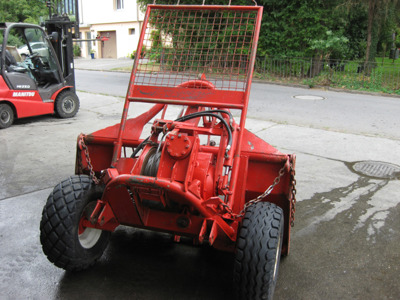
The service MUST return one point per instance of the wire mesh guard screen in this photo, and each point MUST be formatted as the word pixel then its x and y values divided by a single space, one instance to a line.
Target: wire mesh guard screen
pixel 196 43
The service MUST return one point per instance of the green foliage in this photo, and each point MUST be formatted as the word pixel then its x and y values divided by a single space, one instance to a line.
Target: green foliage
pixel 297 28
pixel 389 20
pixel 132 55
pixel 155 36
pixel 384 76
pixel 14 41
pixel 156 50
pixel 216 40
pixel 353 25
pixel 27 11
pixel 334 45
pixel 397 41
pixel 15 38
pixel 77 50
pixel 289 26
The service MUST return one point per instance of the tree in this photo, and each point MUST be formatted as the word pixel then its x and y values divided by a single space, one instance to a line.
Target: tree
pixel 354 28
pixel 27 11
pixel 290 27
pixel 287 25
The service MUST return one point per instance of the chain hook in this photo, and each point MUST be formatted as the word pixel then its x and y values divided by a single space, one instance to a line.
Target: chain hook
pixel 255 3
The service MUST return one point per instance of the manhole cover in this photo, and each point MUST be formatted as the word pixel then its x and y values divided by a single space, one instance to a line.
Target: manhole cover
pixel 308 97
pixel 377 169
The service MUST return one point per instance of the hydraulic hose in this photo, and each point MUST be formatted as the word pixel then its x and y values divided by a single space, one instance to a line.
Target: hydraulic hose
pixel 211 114
pixel 139 147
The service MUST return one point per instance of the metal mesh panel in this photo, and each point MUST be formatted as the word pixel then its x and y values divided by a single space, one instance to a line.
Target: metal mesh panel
pixel 188 44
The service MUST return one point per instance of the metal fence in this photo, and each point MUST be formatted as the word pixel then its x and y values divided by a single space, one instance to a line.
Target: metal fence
pixel 380 76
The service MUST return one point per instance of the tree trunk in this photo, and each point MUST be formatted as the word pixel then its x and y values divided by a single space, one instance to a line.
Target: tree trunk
pixel 372 4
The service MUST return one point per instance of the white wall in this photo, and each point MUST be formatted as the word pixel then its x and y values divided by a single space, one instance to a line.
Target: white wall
pixel 102 15
pixel 104 11
pixel 126 43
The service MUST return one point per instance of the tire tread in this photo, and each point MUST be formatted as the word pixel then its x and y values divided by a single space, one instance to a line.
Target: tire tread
pixel 256 251
pixel 57 226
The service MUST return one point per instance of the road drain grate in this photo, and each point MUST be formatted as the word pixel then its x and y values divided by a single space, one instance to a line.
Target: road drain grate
pixel 377 169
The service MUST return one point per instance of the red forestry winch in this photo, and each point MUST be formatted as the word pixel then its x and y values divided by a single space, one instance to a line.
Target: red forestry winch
pixel 198 173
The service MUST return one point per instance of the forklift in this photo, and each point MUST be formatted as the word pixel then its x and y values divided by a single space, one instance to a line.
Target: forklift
pixel 37 68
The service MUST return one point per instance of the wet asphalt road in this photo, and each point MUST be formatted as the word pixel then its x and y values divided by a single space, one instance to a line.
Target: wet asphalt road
pixel 345 243
pixel 137 264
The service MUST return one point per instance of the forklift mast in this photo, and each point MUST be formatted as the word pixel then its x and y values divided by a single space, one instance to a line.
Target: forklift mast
pixel 62 27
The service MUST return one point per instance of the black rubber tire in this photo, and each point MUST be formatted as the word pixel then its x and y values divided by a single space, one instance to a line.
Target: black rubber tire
pixel 6 116
pixel 258 252
pixel 67 104
pixel 60 223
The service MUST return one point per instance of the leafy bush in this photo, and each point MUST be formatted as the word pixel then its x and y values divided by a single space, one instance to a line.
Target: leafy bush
pixel 133 54
pixel 77 50
pixel 334 45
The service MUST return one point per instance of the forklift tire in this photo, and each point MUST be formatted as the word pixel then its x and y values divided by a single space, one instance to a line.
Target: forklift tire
pixel 258 251
pixel 64 240
pixel 67 104
pixel 6 116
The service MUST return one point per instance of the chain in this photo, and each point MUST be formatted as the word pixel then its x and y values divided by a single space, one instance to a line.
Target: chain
pixel 89 162
pixel 267 192
pixel 294 191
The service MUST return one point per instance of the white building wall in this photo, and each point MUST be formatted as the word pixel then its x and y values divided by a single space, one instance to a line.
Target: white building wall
pixel 126 43
pixel 102 15
pixel 105 11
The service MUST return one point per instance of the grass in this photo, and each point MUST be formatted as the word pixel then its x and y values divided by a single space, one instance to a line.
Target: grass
pixel 122 69
pixel 147 67
pixel 384 77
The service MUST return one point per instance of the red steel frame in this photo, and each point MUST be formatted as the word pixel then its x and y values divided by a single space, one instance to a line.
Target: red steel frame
pixel 226 98
pixel 207 56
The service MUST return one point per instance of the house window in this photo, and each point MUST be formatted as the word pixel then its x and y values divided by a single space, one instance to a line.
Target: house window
pixel 119 4
pixel 131 31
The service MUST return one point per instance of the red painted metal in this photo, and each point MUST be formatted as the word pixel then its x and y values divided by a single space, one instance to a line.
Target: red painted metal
pixel 25 93
pixel 27 103
pixel 194 173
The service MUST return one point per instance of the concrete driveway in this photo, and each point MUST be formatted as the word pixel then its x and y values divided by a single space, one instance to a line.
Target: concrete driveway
pixel 345 243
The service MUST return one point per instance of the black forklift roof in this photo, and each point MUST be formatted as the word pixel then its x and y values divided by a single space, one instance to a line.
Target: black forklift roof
pixel 4 25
